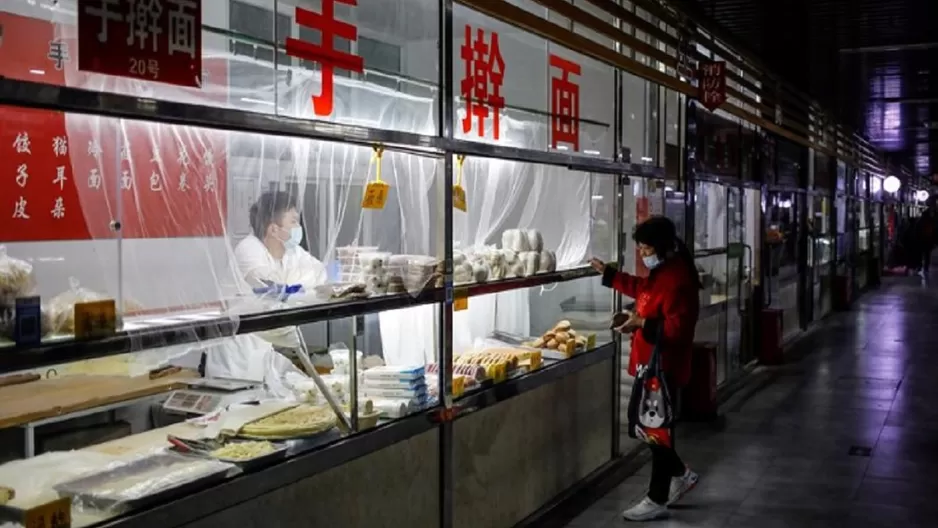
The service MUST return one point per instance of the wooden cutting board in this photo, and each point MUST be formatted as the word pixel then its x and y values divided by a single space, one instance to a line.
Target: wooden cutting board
pixel 37 400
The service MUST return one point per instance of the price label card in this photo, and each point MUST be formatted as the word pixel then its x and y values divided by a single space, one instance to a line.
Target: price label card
pixel 55 514
pixel 461 299
pixel 591 342
pixel 459 198
pixel 95 319
pixel 459 386
pixel 376 195
pixel 27 321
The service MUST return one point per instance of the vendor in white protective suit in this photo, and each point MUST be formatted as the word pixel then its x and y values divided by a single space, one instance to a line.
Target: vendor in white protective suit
pixel 272 254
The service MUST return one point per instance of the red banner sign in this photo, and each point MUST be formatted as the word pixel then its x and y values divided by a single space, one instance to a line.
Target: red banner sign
pixel 481 85
pixel 564 104
pixel 325 54
pixel 152 40
pixel 62 172
pixel 711 84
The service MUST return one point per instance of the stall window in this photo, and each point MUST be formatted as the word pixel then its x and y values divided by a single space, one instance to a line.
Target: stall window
pixel 383 57
pixel 258 23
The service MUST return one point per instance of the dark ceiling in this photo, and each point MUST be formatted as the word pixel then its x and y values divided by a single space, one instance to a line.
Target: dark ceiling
pixel 869 61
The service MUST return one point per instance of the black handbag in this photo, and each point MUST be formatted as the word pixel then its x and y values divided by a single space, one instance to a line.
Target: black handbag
pixel 651 411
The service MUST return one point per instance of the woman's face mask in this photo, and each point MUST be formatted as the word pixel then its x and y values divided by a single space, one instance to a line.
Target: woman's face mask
pixel 649 257
pixel 651 261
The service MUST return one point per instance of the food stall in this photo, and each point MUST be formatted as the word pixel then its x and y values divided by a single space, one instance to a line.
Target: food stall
pixel 253 275
pixel 821 241
pixel 157 375
pixel 785 208
pixel 726 236
pixel 863 208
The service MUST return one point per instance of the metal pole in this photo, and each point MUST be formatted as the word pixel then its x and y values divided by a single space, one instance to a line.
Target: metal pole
pixel 619 220
pixel 445 320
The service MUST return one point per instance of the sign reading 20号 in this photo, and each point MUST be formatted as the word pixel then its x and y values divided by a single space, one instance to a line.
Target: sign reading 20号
pixel 149 40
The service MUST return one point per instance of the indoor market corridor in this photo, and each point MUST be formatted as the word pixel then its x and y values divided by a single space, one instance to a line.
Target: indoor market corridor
pixel 845 437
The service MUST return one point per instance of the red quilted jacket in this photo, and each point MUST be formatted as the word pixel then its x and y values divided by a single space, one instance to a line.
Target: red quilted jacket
pixel 668 299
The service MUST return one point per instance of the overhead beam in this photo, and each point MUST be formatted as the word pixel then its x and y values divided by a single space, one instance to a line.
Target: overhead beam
pixel 891 48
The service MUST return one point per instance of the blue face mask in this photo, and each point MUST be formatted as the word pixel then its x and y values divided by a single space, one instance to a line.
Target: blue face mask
pixel 651 261
pixel 296 236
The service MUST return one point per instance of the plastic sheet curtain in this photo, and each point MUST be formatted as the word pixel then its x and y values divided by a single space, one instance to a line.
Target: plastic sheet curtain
pixel 171 274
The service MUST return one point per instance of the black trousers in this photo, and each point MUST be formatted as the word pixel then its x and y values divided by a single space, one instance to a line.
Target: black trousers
pixel 926 260
pixel 665 465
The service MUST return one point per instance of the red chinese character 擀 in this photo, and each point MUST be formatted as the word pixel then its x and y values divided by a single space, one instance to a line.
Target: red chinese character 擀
pixel 485 68
pixel 564 104
pixel 325 53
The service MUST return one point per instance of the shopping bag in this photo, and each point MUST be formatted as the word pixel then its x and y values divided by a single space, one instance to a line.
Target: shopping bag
pixel 651 411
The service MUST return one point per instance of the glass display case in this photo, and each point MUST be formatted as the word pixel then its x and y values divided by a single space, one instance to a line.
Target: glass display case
pixel 270 258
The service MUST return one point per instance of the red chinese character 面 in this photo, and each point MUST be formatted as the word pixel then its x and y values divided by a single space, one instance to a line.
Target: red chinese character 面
pixel 564 104
pixel 484 67
pixel 325 54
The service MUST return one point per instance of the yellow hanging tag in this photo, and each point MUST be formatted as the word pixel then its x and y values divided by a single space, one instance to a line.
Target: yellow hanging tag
pixel 459 193
pixel 460 299
pixel 376 192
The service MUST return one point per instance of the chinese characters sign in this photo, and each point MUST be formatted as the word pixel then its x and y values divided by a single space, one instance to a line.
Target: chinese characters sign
pixel 482 84
pixel 152 40
pixel 564 104
pixel 63 174
pixel 325 53
pixel 711 84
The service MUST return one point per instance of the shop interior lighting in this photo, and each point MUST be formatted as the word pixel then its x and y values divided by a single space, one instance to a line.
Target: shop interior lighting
pixel 921 195
pixel 891 184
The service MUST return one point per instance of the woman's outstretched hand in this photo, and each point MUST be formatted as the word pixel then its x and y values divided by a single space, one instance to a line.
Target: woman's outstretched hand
pixel 597 264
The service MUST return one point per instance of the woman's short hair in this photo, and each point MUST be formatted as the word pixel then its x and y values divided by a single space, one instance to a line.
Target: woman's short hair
pixel 658 232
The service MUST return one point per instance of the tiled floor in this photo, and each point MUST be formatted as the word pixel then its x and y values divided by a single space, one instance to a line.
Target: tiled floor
pixel 782 458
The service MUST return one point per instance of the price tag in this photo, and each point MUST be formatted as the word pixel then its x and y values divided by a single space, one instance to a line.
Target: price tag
pixel 459 386
pixel 27 321
pixel 460 299
pixel 459 198
pixel 55 514
pixel 95 319
pixel 376 195
pixel 376 192
pixel 459 192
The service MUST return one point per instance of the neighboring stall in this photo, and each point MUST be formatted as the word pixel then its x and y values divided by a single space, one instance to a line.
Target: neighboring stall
pixel 786 229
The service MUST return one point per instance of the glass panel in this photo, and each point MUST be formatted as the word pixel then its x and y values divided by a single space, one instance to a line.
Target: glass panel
pixel 59 204
pixel 548 218
pixel 516 89
pixel 639 119
pixel 737 278
pixel 245 64
pixel 712 322
pixel 710 210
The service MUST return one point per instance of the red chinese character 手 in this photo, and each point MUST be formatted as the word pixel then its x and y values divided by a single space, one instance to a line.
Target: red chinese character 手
pixel 564 104
pixel 484 67
pixel 325 53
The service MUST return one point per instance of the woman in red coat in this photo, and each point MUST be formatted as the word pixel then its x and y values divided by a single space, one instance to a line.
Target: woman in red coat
pixel 666 307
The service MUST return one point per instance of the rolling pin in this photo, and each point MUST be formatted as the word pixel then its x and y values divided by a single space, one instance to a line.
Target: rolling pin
pixel 18 379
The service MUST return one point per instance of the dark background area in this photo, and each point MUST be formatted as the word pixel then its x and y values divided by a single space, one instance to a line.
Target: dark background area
pixel 870 62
